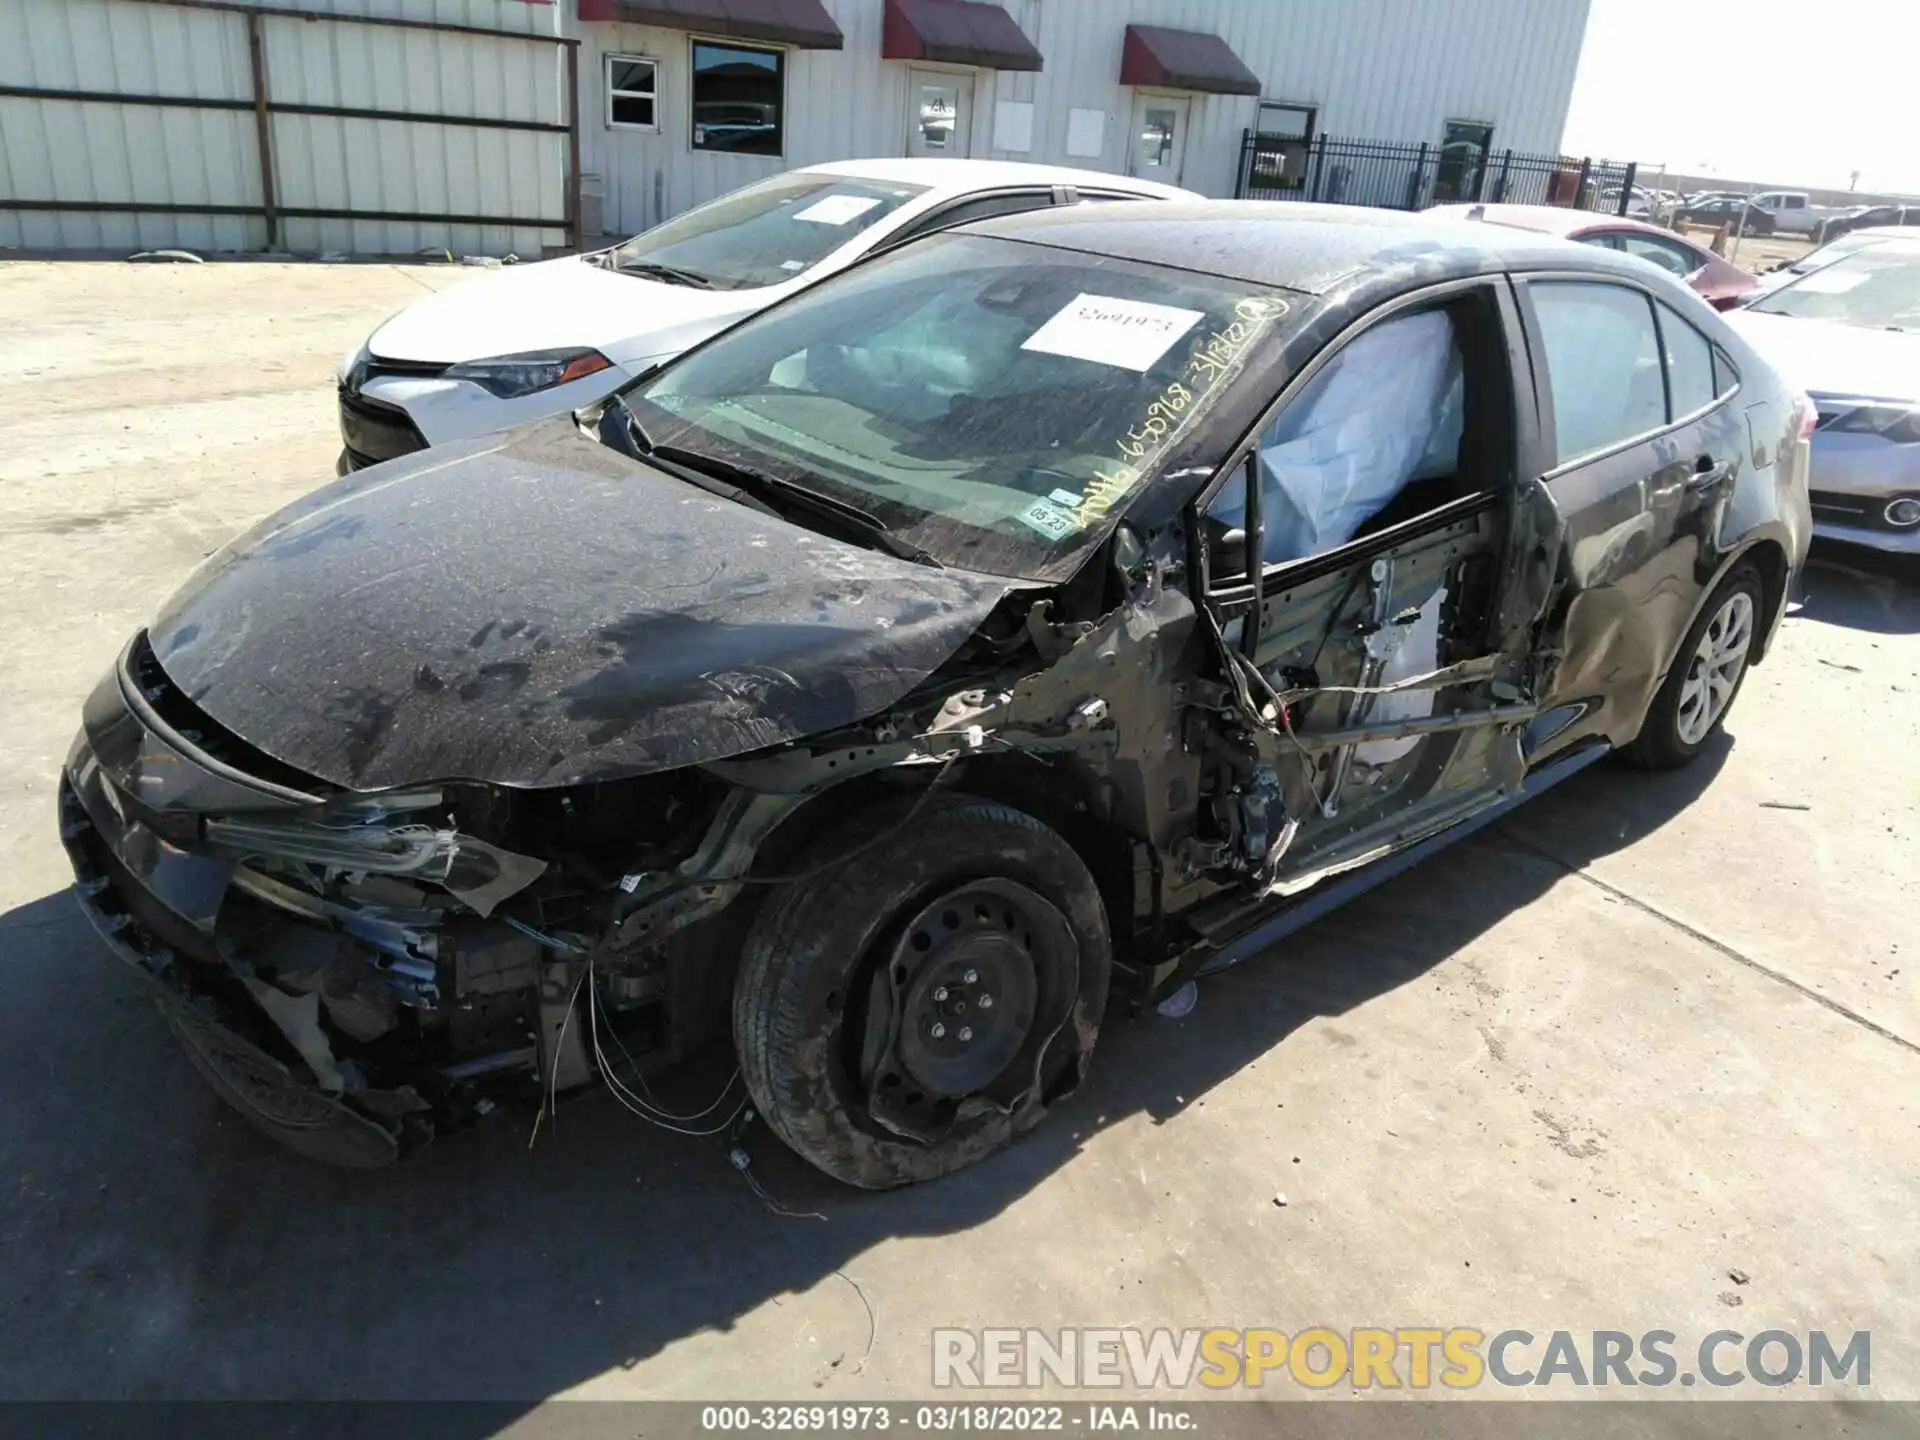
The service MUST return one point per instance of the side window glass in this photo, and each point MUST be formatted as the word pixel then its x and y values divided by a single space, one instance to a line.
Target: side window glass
pixel 1603 241
pixel 1689 363
pixel 1670 258
pixel 1725 377
pixel 1383 413
pixel 1603 364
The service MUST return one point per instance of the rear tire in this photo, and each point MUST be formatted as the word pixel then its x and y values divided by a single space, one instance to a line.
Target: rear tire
pixel 1706 675
pixel 917 1006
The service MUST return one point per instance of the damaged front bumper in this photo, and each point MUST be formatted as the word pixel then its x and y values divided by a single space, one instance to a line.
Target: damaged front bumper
pixel 243 903
pixel 128 881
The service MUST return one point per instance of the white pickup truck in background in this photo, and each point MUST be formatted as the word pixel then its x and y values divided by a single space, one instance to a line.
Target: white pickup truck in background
pixel 1794 212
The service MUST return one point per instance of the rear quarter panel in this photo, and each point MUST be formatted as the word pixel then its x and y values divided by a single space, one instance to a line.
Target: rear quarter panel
pixel 1641 560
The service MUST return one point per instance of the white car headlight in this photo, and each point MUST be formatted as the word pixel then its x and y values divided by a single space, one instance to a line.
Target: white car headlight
pixel 508 376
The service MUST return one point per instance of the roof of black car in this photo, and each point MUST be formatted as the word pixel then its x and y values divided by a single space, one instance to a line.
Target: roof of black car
pixel 1294 246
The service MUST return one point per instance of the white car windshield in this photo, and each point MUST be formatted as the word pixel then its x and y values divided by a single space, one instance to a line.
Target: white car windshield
pixel 1878 289
pixel 764 234
pixel 994 402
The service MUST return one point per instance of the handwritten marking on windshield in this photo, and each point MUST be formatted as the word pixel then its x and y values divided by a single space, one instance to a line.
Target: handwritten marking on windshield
pixel 1215 359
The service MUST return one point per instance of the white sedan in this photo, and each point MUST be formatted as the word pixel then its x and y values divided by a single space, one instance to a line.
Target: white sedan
pixel 539 339
pixel 1848 333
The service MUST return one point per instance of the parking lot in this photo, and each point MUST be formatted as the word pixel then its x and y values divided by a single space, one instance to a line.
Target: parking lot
pixel 1644 1056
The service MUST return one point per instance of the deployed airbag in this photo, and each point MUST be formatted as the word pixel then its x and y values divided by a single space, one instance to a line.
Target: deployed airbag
pixel 1385 411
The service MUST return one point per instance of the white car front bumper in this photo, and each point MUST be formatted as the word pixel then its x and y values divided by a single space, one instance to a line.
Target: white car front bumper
pixel 397 410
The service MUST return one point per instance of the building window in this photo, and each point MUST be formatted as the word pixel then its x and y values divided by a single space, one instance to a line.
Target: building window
pixel 739 98
pixel 1286 122
pixel 633 93
pixel 1283 134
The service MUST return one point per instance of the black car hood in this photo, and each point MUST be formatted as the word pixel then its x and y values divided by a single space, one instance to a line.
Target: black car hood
pixel 534 609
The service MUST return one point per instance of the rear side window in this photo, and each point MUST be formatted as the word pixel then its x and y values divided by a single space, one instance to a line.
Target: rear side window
pixel 1689 363
pixel 1603 364
pixel 1674 259
pixel 1725 377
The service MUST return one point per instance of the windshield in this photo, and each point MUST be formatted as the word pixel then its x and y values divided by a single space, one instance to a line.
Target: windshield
pixel 992 400
pixel 767 233
pixel 1877 288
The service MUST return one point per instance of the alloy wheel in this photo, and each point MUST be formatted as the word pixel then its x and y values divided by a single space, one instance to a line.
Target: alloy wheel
pixel 1715 668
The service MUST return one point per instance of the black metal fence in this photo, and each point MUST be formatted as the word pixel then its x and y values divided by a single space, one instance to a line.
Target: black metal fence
pixel 1404 176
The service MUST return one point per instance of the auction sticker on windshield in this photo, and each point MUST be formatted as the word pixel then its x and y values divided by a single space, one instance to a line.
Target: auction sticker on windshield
pixel 836 209
pixel 1049 520
pixel 1130 334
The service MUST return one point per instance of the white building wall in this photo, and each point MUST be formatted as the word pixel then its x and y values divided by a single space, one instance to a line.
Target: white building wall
pixel 1380 69
pixel 72 150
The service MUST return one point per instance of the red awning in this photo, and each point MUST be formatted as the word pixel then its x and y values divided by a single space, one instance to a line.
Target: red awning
pixel 956 32
pixel 804 23
pixel 1184 60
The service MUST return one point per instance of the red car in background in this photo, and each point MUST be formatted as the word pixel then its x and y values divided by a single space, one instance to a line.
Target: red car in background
pixel 1723 285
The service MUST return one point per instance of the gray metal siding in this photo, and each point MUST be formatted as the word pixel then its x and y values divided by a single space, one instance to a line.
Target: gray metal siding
pixel 1384 69
pixel 76 151
pixel 1387 69
pixel 71 151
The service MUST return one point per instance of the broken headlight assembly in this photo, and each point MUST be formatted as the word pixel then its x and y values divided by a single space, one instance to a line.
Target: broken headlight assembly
pixel 510 376
pixel 393 836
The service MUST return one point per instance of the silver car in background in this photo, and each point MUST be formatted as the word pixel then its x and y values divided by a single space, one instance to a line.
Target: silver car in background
pixel 1848 333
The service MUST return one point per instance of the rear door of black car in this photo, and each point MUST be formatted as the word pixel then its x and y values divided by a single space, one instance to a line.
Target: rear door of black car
pixel 1380 682
pixel 1643 440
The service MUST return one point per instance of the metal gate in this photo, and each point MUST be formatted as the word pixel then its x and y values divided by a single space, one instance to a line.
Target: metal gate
pixel 1409 176
pixel 220 125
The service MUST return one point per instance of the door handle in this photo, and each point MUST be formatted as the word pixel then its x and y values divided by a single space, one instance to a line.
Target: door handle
pixel 1707 473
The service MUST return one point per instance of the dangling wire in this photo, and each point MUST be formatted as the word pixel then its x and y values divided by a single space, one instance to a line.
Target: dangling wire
pixel 644 1107
pixel 1308 764
pixel 553 1070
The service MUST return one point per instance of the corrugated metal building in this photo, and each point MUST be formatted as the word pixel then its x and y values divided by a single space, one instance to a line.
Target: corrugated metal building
pixel 1078 95
pixel 681 100
pixel 169 123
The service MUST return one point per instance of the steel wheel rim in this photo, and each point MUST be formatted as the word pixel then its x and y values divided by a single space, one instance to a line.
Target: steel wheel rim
pixel 974 944
pixel 1020 950
pixel 1715 668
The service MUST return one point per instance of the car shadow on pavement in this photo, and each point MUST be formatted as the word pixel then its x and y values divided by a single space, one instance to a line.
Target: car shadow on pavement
pixel 1862 590
pixel 157 1247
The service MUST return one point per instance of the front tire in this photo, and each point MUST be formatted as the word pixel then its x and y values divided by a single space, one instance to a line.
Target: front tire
pixel 1706 675
pixel 917 1006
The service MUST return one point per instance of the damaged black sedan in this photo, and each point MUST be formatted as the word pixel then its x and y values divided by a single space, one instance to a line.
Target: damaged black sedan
pixel 1039 615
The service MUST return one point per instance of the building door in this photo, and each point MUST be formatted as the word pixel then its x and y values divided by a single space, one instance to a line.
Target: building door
pixel 1159 137
pixel 939 113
